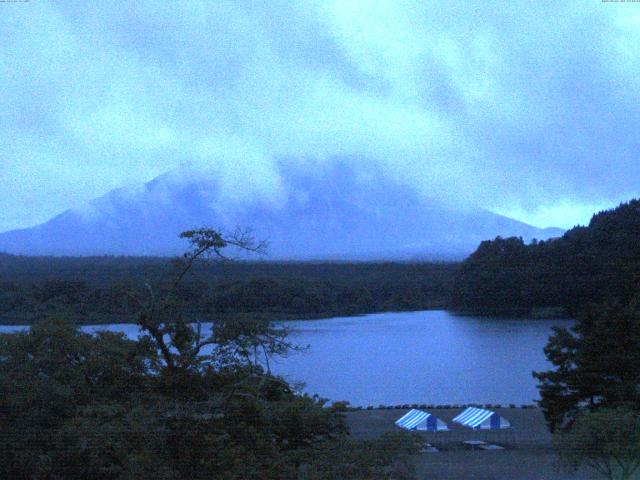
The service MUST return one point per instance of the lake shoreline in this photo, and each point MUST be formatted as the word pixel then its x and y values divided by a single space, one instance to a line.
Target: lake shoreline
pixel 287 317
pixel 520 315
pixel 396 358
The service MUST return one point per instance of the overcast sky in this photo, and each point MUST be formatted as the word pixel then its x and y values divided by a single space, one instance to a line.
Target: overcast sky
pixel 530 109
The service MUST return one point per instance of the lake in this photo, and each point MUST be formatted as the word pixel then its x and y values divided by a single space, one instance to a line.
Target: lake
pixel 432 357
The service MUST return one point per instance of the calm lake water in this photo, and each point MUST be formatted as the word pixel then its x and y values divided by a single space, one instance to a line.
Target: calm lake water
pixel 431 357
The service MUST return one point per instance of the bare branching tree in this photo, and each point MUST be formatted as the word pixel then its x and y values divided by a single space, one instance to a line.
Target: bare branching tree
pixel 183 344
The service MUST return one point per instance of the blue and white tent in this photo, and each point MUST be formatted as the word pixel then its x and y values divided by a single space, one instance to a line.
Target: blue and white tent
pixel 419 420
pixel 481 419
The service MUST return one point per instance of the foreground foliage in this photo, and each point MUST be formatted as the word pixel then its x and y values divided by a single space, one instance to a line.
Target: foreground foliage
pixel 597 364
pixel 179 403
pixel 591 400
pixel 607 441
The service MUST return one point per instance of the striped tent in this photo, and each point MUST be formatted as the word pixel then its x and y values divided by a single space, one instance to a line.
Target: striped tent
pixel 419 420
pixel 479 418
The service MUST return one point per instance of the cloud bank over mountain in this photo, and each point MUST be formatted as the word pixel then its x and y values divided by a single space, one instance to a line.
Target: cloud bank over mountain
pixel 526 109
pixel 331 213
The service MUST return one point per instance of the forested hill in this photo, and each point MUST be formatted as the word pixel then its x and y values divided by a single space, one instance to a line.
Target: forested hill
pixel 585 265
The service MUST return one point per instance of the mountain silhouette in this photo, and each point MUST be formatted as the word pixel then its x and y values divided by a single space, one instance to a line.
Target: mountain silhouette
pixel 333 212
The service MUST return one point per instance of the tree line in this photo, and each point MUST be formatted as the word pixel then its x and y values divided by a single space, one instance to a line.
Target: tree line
pixel 592 264
pixel 97 290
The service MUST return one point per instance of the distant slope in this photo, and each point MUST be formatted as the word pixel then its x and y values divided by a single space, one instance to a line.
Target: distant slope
pixel 587 264
pixel 332 213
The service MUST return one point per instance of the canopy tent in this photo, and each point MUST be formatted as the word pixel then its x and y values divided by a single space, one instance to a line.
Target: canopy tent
pixel 479 418
pixel 419 420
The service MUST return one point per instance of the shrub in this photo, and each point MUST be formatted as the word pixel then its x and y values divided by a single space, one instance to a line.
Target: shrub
pixel 340 406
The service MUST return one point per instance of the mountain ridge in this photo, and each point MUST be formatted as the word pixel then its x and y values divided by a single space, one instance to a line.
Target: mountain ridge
pixel 332 213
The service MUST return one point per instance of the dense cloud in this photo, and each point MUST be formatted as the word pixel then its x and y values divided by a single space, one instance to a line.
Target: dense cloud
pixel 526 108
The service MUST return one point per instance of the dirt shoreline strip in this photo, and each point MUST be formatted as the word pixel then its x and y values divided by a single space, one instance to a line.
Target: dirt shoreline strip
pixel 529 452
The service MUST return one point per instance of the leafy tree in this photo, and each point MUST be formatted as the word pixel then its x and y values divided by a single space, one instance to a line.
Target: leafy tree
pixel 590 400
pixel 596 365
pixel 607 441
pixel 50 373
pixel 160 313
